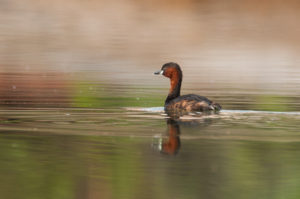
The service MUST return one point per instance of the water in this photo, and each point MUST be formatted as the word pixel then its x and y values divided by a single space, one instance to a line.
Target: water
pixel 81 112
pixel 141 153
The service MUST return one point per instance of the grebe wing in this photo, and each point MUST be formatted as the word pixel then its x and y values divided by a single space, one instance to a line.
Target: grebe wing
pixel 194 102
pixel 192 97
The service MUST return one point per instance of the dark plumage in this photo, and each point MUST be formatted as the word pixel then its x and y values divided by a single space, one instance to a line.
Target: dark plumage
pixel 187 103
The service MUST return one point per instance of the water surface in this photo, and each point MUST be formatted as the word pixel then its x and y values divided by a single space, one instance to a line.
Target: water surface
pixel 141 153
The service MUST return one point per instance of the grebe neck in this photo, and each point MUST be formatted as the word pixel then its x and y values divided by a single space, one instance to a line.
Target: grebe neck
pixel 175 88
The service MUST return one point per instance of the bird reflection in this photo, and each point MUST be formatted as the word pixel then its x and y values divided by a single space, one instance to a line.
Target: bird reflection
pixel 171 144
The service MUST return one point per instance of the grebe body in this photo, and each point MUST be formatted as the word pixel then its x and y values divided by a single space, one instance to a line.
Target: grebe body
pixel 186 103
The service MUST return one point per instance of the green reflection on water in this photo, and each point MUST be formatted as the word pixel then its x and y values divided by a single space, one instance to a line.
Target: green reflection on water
pixel 89 95
pixel 32 167
pixel 50 166
pixel 273 103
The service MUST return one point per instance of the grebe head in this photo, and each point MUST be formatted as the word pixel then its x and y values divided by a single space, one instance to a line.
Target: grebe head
pixel 170 70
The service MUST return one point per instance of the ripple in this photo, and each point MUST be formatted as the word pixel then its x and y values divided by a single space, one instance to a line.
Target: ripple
pixel 151 109
pixel 258 112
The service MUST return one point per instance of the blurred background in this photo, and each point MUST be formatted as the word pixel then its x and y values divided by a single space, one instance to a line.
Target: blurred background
pixel 72 53
pixel 70 69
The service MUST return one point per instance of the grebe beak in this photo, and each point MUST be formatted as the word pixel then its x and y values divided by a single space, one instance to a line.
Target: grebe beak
pixel 159 72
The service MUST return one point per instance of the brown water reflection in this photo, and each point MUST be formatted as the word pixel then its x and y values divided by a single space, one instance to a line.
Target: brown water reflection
pixel 34 89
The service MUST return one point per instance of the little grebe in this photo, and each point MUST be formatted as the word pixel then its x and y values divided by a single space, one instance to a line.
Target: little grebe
pixel 187 103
